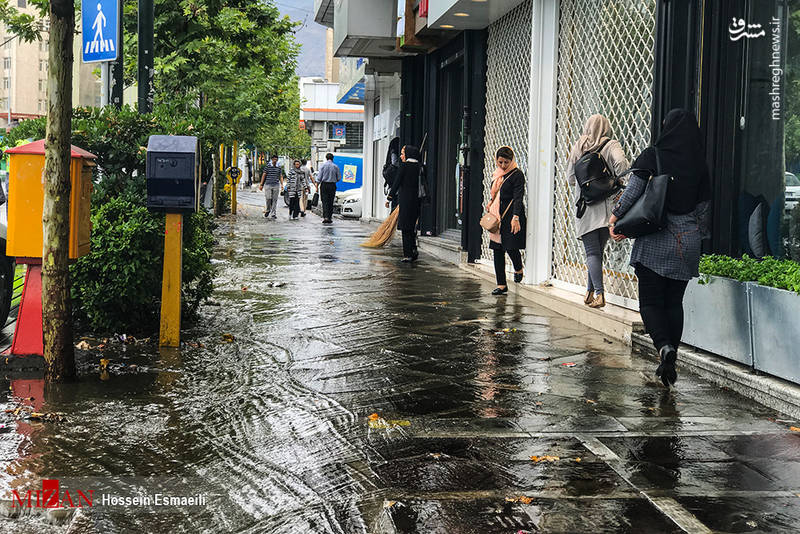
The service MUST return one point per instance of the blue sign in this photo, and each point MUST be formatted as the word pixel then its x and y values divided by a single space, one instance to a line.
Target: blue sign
pixel 100 30
pixel 339 132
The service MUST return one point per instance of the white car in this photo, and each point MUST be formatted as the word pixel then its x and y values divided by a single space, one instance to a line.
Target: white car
pixel 351 203
pixel 792 194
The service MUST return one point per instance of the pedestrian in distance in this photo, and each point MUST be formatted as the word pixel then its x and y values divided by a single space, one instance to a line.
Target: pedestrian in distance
pixel 327 177
pixel 296 187
pixel 667 259
pixel 406 191
pixel 272 176
pixel 596 153
pixel 507 204
pixel 309 172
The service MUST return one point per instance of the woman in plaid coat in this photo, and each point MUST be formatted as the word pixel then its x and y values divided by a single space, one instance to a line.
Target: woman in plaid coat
pixel 666 260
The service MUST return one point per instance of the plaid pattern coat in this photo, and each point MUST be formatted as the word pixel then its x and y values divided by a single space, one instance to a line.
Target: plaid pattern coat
pixel 674 252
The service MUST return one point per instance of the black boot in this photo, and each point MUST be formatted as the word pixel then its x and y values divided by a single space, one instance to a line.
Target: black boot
pixel 666 370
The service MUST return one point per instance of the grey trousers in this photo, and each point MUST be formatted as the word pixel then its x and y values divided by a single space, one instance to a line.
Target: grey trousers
pixel 271 194
pixel 594 243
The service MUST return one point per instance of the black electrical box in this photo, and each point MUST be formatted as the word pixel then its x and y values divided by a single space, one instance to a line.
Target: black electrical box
pixel 173 173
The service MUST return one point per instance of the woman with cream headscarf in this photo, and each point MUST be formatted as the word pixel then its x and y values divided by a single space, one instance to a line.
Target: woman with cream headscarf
pixel 507 204
pixel 592 227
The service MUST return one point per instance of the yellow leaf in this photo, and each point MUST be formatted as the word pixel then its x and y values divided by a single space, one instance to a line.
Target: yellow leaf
pixel 578 460
pixel 374 417
pixel 228 338
pixel 104 363
pixel 794 429
pixel 590 401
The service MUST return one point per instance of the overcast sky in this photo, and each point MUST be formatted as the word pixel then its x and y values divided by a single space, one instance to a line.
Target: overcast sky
pixel 311 36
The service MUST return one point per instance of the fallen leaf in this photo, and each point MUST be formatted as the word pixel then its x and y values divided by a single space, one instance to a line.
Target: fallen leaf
pixel 578 460
pixel 522 498
pixel 569 364
pixel 590 401
pixel 83 345
pixel 442 303
pixel 374 417
pixel 104 363
pixel 389 504
pixel 228 338
pixel 794 429
pixel 545 458
pixel 383 424
pixel 101 346
pixel 435 455
pixel 244 288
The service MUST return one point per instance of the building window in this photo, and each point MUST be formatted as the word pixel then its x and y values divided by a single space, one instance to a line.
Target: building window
pixel 353 134
pixel 6 83
pixel 7 63
pixel 41 85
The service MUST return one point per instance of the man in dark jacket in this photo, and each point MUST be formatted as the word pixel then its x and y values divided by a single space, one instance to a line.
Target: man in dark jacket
pixel 327 177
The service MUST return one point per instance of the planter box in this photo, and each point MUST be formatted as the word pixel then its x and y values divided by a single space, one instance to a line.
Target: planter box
pixel 717 318
pixel 776 335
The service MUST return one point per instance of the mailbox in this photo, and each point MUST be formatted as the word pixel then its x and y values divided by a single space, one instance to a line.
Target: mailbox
pixel 173 173
pixel 26 201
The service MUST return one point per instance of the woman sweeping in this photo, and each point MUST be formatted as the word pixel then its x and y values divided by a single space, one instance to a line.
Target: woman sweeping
pixel 406 191
pixel 508 205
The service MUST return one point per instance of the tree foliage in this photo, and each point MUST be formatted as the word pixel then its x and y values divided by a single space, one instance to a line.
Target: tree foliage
pixel 226 65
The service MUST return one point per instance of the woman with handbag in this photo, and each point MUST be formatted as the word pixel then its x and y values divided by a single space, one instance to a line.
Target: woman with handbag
pixel 591 220
pixel 406 190
pixel 296 185
pixel 505 217
pixel 666 253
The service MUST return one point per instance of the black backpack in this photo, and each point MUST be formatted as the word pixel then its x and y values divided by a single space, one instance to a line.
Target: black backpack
pixel 595 178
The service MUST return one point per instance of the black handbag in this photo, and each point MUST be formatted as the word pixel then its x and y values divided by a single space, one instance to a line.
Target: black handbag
pixel 648 214
pixel 314 200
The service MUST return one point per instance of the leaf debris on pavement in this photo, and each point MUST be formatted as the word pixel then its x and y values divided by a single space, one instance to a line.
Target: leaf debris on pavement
pixel 228 338
pixel 545 458
pixel 521 499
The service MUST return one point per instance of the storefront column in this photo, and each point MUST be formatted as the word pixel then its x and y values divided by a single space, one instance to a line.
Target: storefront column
pixel 369 182
pixel 542 140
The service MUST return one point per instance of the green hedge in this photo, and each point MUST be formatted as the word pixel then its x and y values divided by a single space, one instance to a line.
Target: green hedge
pixel 771 272
pixel 117 287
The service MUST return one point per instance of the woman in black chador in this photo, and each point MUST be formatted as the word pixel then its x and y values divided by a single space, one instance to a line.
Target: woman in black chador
pixel 507 204
pixel 666 260
pixel 406 191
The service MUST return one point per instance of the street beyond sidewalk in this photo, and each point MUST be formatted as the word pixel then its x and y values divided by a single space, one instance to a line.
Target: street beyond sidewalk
pixel 360 394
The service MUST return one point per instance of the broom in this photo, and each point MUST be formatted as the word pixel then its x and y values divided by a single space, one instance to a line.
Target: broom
pixel 385 231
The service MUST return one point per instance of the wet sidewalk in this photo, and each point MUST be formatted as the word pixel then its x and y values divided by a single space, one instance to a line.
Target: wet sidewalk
pixel 364 395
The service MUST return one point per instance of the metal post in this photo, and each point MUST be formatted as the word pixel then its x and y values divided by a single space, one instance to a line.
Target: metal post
pixel 170 335
pixel 146 43
pixel 104 93
pixel 115 74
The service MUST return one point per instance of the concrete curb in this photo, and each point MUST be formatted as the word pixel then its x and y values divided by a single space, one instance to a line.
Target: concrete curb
pixel 770 391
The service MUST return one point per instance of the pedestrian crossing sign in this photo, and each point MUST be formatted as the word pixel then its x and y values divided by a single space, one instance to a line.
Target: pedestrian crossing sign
pixel 100 22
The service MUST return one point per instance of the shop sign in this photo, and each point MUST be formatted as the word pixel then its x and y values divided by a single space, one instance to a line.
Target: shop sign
pixel 339 132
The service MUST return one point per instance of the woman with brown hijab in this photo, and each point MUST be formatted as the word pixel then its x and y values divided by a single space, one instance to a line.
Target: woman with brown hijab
pixel 592 227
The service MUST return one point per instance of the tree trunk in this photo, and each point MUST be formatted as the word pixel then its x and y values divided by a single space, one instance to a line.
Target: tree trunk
pixel 56 304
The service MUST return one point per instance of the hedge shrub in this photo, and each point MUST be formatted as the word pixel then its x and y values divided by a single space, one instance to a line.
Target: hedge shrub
pixel 771 272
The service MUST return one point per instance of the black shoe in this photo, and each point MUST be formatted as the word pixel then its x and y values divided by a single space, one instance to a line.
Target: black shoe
pixel 518 277
pixel 302 214
pixel 415 256
pixel 666 370
pixel 266 215
pixel 406 260
pixel 498 291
